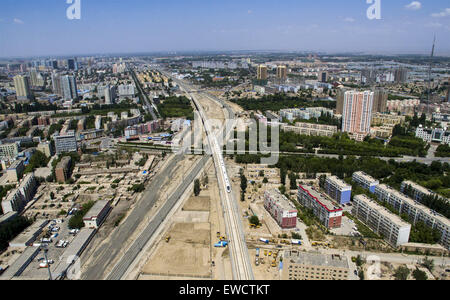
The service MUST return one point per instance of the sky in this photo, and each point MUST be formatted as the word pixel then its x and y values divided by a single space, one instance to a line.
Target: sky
pixel 41 28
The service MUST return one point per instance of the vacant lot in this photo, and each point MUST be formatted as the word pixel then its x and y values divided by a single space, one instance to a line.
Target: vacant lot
pixel 186 254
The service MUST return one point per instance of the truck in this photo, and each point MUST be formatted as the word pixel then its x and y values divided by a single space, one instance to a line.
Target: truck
pixel 257 252
pixel 296 242
pixel 265 241
pixel 221 244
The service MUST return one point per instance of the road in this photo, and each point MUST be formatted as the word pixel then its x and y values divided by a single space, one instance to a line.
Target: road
pixel 130 255
pixel 149 105
pixel 240 259
pixel 108 252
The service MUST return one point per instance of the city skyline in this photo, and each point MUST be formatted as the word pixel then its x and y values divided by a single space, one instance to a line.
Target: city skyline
pixel 406 27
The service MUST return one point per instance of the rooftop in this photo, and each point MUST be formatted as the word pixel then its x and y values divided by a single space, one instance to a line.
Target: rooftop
pixel 415 204
pixel 366 177
pixel 281 200
pixel 340 183
pixel 382 210
pixel 321 198
pixel 96 209
pixel 315 259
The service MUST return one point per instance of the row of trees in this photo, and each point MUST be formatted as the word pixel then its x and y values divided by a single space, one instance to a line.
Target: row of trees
pixel 176 107
pixel 280 101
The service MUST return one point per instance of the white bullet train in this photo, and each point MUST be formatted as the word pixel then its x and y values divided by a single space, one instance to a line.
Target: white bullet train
pixel 222 165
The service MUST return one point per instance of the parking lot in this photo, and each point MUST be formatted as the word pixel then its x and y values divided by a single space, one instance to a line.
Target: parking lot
pixel 57 236
pixel 348 228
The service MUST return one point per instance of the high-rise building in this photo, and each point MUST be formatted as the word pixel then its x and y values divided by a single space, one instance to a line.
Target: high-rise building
pixel 69 87
pixel 323 76
pixel 448 91
pixel 23 89
pixel 56 84
pixel 262 72
pixel 380 99
pixel 71 64
pixel 357 113
pixel 110 94
pixel 340 101
pixel 282 73
pixel 401 75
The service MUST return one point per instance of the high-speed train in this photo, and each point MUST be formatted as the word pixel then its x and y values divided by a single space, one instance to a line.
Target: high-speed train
pixel 222 165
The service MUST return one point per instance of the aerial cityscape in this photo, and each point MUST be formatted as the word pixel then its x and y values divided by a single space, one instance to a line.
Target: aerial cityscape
pixel 205 141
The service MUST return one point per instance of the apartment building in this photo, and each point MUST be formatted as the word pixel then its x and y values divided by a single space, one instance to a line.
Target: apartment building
pixel 416 211
pixel 13 202
pixel 436 135
pixel 28 187
pixel 62 170
pixel 9 150
pixel 380 119
pixel 357 113
pixel 304 113
pixel 383 222
pixel 314 266
pixel 328 213
pixel 66 142
pixel 338 189
pixel 418 191
pixel 365 181
pixel 280 208
pixel 15 171
pixel 311 129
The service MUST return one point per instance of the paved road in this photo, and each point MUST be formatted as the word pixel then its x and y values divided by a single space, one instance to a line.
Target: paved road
pixel 106 253
pixel 130 255
pixel 240 259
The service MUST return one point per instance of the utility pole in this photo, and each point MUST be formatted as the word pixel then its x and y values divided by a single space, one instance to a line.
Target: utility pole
pixel 44 248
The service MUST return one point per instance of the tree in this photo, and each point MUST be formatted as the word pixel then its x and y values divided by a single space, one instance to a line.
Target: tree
pixel 244 183
pixel 428 263
pixel 254 220
pixel 402 273
pixel 197 188
pixel 419 275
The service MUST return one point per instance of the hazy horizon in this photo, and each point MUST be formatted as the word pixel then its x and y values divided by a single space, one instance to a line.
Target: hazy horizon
pixel 36 29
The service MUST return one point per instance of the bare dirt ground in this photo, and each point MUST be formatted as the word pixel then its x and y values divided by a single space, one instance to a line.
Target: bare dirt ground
pixel 197 204
pixel 186 254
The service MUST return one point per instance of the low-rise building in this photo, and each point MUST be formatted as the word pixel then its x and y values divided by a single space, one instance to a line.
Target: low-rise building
pixel 310 129
pixel 382 119
pixel 279 207
pixel 338 189
pixel 365 181
pixel 328 213
pixel 314 266
pixel 96 215
pixel 29 235
pixel 435 135
pixel 415 211
pixel 383 222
